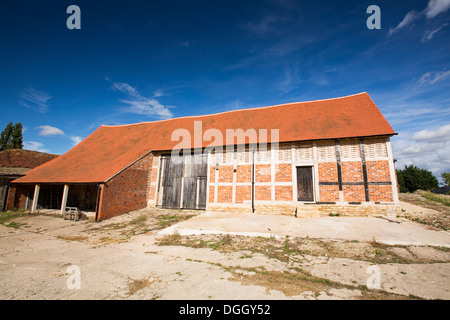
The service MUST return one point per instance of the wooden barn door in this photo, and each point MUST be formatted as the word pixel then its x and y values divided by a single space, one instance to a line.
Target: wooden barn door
pixel 305 184
pixel 184 182
pixel 3 191
pixel 173 176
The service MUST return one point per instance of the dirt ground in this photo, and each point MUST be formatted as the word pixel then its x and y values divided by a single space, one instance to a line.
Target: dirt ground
pixel 46 257
pixel 417 208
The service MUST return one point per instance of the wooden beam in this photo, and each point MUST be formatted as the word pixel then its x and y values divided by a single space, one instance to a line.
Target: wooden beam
pixel 35 198
pixel 364 169
pixel 339 165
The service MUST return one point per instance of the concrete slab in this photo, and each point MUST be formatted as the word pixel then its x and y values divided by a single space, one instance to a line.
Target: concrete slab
pixel 388 231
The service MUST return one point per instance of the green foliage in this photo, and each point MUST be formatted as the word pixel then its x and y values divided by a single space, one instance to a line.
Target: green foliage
pixel 436 198
pixel 11 137
pixel 412 178
pixel 446 177
pixel 17 139
pixel 5 137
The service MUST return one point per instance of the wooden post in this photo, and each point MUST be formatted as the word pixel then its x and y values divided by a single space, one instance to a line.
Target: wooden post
pixel 64 198
pixel 392 171
pixel 339 170
pixel 364 169
pixel 35 198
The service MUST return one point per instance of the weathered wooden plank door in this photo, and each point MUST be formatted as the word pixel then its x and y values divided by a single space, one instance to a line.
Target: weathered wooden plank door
pixel 3 190
pixel 201 194
pixel 173 176
pixel 194 192
pixel 184 182
pixel 305 184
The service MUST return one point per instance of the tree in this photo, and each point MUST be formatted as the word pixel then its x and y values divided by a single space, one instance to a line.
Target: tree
pixel 6 136
pixel 412 178
pixel 11 137
pixel 446 177
pixel 16 137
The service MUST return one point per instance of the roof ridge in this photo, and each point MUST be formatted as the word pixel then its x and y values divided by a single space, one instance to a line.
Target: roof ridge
pixel 239 110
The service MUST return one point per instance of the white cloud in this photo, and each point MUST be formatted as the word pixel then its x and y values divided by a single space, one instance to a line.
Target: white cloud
pixel 158 93
pixel 35 99
pixel 436 7
pixel 125 88
pixel 50 131
pixel 265 25
pixel 440 134
pixel 140 104
pixel 407 20
pixel 35 146
pixel 149 107
pixel 76 139
pixel 433 77
pixel 430 34
pixel 428 149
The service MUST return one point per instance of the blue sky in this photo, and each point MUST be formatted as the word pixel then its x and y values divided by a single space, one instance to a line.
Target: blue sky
pixel 136 61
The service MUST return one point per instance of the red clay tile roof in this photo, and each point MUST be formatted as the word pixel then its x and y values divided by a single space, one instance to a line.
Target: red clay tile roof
pixel 109 149
pixel 22 159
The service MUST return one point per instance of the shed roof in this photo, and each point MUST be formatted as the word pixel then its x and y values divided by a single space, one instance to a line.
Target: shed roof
pixel 110 149
pixel 19 161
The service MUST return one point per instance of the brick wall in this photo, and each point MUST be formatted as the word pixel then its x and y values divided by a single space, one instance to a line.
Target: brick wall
pixel 226 173
pixel 128 191
pixel 352 171
pixel 17 196
pixel 211 194
pixel 354 193
pixel 225 194
pixel 262 173
pixel 329 193
pixel 283 172
pixel 381 193
pixel 283 193
pixel 263 193
pixel 243 193
pixel 378 171
pixel 276 182
pixel 328 171
pixel 244 173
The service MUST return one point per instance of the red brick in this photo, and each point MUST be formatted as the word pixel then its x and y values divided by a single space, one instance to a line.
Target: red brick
pixel 283 193
pixel 225 174
pixel 243 193
pixel 244 173
pixel 352 171
pixel 283 172
pixel 329 193
pixel 225 194
pixel 262 173
pixel 263 193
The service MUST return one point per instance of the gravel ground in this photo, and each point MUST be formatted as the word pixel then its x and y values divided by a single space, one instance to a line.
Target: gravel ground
pixel 43 257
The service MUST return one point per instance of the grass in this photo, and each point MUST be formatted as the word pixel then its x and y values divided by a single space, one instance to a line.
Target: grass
pixel 14 225
pixel 294 281
pixel 10 215
pixel 73 238
pixel 443 199
pixel 334 214
pixel 168 220
pixel 288 250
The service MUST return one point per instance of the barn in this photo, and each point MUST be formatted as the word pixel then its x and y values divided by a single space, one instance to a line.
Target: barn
pixel 325 156
pixel 15 163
